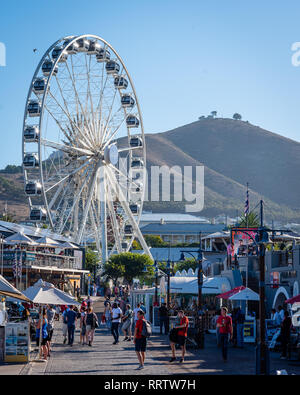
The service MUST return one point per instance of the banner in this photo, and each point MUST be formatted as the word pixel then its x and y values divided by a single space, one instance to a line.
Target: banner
pixel 243 242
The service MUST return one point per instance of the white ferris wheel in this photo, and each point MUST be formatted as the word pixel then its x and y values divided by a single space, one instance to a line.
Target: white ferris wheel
pixel 84 153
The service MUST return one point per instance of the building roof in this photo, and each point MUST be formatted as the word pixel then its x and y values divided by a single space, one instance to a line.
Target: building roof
pixel 181 228
pixel 171 217
pixel 32 232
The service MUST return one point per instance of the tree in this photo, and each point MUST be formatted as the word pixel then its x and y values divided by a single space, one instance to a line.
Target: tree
pixel 129 266
pixel 91 259
pixel 154 241
pixel 113 270
pixel 237 116
pixel 186 265
pixel 252 220
pixel 214 113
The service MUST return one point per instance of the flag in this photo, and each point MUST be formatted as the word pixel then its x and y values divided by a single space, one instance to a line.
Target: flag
pixel 246 210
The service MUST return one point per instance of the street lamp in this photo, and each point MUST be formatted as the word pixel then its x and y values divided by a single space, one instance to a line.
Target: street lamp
pixel 156 284
pixel 200 285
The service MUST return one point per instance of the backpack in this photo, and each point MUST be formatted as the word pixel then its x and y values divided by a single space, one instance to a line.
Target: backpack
pixel 147 329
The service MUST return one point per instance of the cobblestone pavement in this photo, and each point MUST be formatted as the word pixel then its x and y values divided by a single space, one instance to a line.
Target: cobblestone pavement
pixel 104 358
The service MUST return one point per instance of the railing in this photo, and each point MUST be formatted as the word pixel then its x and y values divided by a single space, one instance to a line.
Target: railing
pixel 43 259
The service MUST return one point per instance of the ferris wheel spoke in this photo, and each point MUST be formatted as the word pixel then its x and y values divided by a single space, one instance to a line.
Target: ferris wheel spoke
pixel 110 137
pixel 125 176
pixel 70 174
pixel 73 79
pixel 65 148
pixel 68 137
pixel 71 121
pixel 90 188
pixel 76 200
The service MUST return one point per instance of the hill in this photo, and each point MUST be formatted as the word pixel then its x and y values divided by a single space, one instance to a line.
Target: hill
pixel 233 153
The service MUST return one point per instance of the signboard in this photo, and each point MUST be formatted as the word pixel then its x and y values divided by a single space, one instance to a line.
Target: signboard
pixel 17 343
pixel 250 330
pixel 243 242
pixel 275 279
pixel 156 321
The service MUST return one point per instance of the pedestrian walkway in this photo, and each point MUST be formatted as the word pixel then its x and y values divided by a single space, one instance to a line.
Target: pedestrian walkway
pixel 104 358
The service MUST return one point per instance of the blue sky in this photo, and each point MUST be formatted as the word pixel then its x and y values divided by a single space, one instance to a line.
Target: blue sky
pixel 186 58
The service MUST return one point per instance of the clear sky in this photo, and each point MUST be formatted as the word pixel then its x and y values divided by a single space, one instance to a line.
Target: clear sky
pixel 186 58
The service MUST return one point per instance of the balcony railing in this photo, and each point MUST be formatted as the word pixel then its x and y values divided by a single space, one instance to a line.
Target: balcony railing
pixel 42 259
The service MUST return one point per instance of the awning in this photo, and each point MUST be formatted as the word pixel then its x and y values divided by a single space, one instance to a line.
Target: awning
pixel 7 289
pixel 45 293
pixel 226 295
pixel 189 285
pixel 294 299
pixel 245 294
pixel 56 269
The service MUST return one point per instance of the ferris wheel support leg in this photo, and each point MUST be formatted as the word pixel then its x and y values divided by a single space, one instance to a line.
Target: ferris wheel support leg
pixel 103 214
pixel 129 214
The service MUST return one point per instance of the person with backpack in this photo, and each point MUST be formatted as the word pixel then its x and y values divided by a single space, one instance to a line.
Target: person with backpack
pixel 181 337
pixel 141 333
pixel 91 323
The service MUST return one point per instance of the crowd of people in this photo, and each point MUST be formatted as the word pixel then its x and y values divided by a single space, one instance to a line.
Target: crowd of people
pixel 120 317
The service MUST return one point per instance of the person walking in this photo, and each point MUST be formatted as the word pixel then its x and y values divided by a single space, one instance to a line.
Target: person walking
pixel 285 334
pixel 127 323
pixel 135 315
pixel 65 324
pixel 116 320
pixel 71 322
pixel 44 345
pixel 140 341
pixel 91 322
pixel 108 315
pixel 83 334
pixel 240 321
pixel 163 318
pixel 224 323
pixel 50 328
pixel 142 306
pixel 182 329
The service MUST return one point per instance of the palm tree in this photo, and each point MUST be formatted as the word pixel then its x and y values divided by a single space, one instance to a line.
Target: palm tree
pixel 251 220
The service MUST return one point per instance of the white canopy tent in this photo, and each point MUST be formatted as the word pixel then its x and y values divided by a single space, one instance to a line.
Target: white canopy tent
pixel 189 285
pixel 19 238
pixel 44 293
pixel 245 294
pixel 47 241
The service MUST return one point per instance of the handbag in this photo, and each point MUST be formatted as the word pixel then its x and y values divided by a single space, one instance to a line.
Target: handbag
pixel 95 321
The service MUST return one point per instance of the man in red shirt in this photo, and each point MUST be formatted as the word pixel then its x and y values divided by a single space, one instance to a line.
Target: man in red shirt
pixel 139 340
pixel 181 335
pixel 224 323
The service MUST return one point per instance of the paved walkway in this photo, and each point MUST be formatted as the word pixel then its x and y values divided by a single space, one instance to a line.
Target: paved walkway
pixel 104 358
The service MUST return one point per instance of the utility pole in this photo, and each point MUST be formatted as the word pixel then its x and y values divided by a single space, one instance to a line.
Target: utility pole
pixel 262 351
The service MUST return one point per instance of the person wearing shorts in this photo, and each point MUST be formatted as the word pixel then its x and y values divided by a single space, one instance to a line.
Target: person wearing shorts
pixel 140 341
pixel 181 336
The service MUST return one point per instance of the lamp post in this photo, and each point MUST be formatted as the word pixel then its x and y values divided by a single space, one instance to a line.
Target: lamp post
pixel 200 285
pixel 156 284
